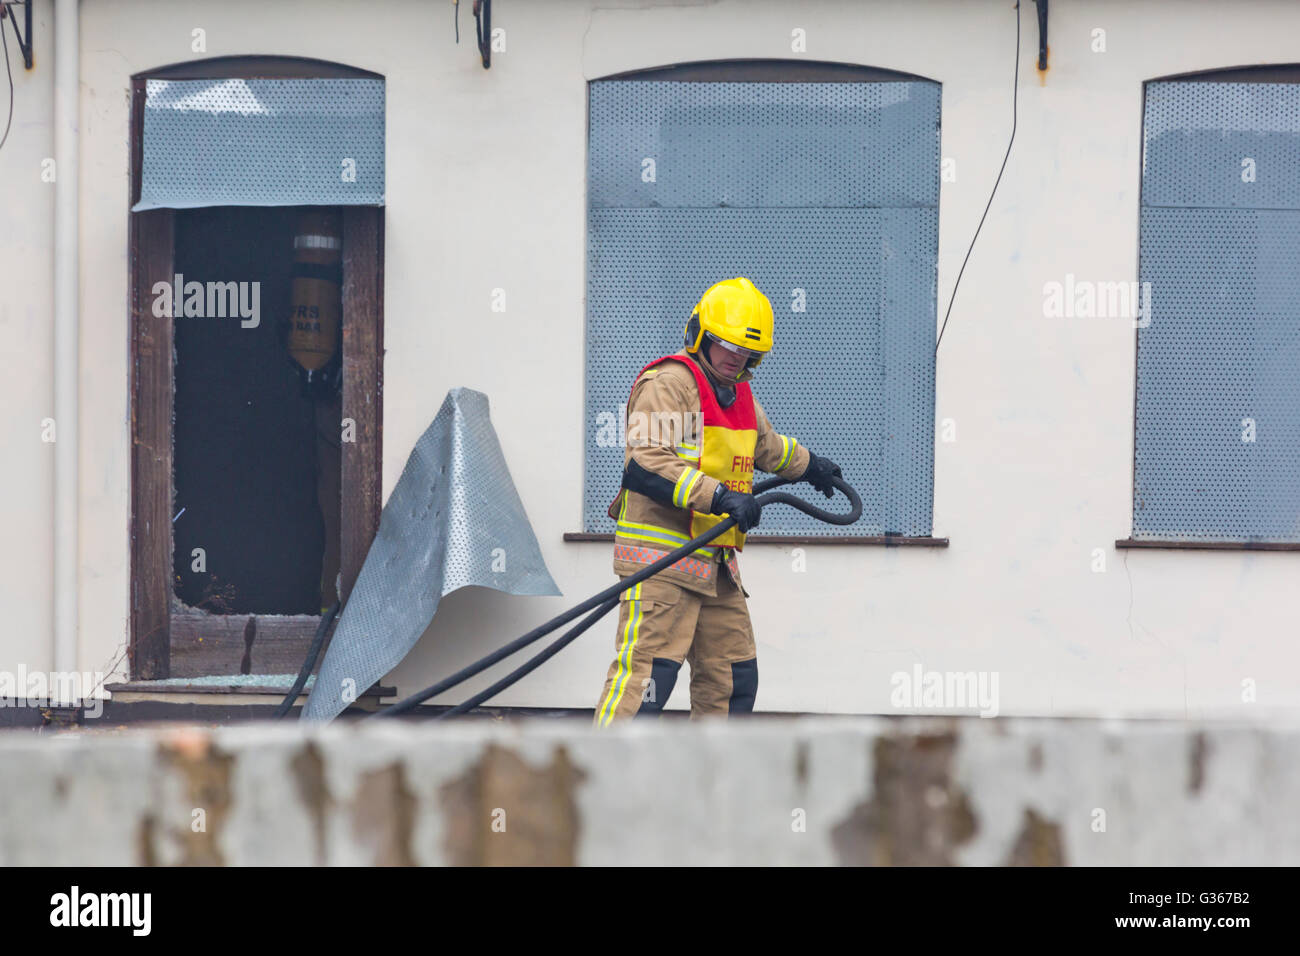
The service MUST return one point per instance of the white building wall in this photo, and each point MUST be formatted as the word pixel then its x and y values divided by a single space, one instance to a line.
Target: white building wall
pixel 27 355
pixel 485 189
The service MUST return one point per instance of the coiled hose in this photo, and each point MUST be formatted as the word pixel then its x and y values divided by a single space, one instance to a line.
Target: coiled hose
pixel 600 604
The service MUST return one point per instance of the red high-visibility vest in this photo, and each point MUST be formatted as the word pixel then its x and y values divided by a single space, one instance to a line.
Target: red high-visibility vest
pixel 727 439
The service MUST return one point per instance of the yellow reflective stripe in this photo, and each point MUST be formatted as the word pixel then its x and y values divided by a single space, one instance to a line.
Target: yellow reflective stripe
pixel 682 490
pixel 657 529
pixel 662 535
pixel 690 488
pixel 677 488
pixel 636 531
pixel 631 631
pixel 789 445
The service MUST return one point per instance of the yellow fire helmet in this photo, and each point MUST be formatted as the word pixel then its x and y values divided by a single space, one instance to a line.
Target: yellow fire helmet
pixel 735 313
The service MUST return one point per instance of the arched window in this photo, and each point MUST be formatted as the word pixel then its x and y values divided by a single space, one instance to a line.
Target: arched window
pixel 818 181
pixel 1217 438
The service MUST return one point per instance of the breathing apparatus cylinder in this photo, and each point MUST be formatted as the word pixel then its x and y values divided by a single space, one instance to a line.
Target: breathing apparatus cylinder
pixel 317 299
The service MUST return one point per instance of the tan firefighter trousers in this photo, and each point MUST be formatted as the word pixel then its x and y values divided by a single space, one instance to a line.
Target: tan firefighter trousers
pixel 659 626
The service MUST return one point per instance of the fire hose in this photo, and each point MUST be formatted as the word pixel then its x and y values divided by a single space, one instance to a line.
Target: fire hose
pixel 598 604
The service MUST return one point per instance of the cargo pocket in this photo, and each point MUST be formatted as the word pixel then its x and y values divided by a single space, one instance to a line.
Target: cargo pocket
pixel 651 620
pixel 653 593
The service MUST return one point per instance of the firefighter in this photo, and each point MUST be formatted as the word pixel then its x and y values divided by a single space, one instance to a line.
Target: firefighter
pixel 695 435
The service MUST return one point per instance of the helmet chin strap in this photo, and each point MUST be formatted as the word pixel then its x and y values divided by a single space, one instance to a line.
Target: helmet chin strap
pixel 724 390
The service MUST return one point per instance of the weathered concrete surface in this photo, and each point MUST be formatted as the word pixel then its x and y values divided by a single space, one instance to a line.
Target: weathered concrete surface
pixel 814 791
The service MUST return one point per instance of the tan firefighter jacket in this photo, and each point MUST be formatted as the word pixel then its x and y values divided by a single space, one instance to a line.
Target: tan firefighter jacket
pixel 647 530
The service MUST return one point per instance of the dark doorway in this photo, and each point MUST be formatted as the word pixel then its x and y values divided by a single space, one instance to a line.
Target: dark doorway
pixel 222 437
pixel 254 452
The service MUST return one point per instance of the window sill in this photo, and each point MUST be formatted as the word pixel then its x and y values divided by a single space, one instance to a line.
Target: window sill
pixel 1208 545
pixel 887 541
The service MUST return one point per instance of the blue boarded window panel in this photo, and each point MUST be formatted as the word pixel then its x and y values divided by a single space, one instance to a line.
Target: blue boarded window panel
pixel 262 142
pixel 827 187
pixel 1219 362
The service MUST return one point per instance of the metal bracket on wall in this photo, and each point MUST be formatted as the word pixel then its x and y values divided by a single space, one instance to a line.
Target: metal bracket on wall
pixel 24 42
pixel 1042 33
pixel 483 27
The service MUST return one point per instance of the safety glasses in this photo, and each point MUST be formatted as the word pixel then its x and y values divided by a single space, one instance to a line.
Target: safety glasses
pixel 749 355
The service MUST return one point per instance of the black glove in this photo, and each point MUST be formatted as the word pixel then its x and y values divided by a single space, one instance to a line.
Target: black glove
pixel 819 473
pixel 741 506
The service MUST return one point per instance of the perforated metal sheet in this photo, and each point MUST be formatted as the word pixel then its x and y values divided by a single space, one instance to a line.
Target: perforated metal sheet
pixel 764 144
pixel 1198 135
pixel 829 188
pixel 260 142
pixel 1222 352
pixel 454 519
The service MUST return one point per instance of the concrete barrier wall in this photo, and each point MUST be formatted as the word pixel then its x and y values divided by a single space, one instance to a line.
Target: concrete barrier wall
pixel 819 791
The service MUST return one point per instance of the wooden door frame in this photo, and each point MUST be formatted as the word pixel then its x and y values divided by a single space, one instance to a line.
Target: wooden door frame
pixel 168 638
